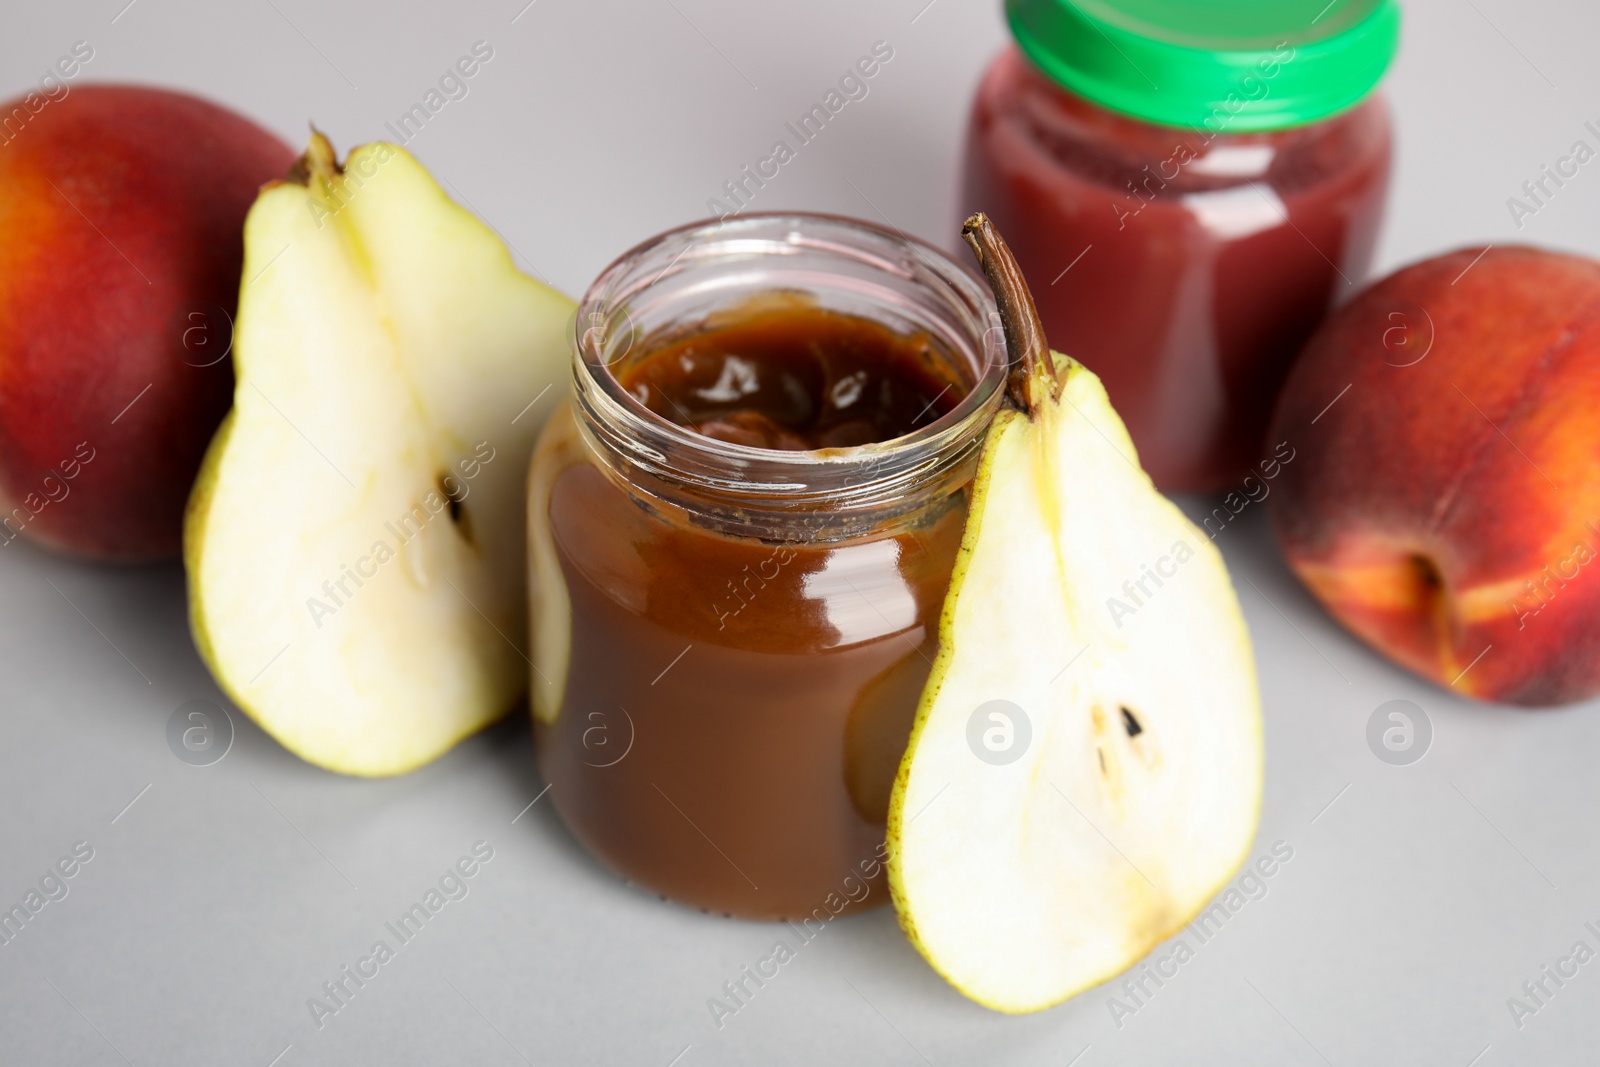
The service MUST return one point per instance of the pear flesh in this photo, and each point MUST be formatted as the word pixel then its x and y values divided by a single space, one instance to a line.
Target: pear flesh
pixel 1032 860
pixel 354 542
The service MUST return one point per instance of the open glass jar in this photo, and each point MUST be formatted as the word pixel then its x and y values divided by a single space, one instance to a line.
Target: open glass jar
pixel 729 641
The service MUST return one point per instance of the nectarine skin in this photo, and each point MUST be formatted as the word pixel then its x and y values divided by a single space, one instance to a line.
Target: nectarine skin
pixel 1445 503
pixel 121 218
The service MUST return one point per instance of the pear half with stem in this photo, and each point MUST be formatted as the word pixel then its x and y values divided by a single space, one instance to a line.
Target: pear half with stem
pixel 1085 768
pixel 354 541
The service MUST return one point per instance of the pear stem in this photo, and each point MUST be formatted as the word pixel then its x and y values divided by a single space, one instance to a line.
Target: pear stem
pixel 318 161
pixel 1031 363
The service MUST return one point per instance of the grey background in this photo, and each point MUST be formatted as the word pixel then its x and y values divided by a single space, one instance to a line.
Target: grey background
pixel 1419 897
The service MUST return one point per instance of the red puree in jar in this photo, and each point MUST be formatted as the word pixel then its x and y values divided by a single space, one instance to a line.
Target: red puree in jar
pixel 1184 241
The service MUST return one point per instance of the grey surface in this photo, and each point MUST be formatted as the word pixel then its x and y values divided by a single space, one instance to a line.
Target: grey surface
pixel 1418 899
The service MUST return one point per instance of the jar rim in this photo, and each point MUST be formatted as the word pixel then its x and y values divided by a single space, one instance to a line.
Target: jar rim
pixel 786 478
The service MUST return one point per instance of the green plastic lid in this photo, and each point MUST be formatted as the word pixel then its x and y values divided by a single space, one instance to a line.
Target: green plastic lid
pixel 1221 65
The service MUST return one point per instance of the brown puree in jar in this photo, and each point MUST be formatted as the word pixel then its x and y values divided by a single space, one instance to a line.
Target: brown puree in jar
pixel 734 710
pixel 791 376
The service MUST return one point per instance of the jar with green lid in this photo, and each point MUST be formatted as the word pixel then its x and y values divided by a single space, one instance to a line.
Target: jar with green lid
pixel 1189 188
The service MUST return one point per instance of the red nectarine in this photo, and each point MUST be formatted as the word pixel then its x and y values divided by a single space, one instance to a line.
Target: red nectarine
pixel 121 218
pixel 1446 502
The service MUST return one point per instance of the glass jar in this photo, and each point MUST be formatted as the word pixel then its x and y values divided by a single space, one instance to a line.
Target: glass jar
pixel 1189 188
pixel 729 642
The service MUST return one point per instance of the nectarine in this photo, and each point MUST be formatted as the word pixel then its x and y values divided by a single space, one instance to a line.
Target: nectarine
pixel 1446 502
pixel 121 220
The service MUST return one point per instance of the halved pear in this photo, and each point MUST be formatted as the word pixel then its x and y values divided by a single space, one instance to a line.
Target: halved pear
pixel 354 541
pixel 1085 770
